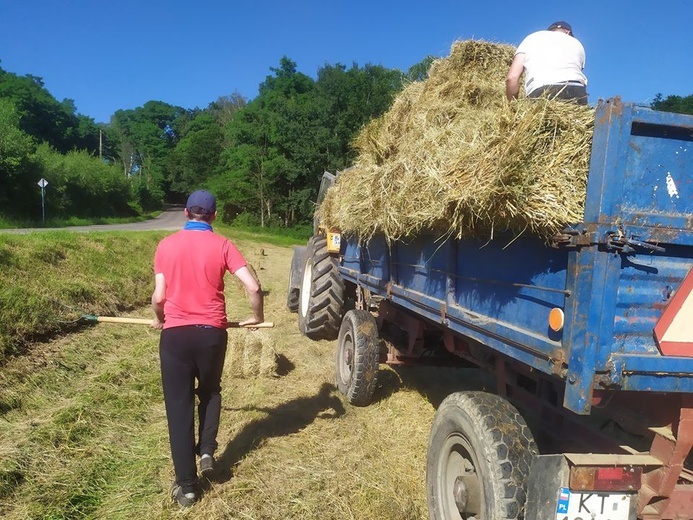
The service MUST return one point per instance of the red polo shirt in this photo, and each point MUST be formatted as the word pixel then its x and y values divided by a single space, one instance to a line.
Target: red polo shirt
pixel 193 263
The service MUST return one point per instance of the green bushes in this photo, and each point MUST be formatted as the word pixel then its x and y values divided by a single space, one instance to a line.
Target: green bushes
pixel 82 185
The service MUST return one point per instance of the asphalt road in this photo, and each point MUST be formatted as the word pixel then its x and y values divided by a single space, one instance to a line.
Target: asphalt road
pixel 170 219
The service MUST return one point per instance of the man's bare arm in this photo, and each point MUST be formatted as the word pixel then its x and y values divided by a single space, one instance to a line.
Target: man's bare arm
pixel 158 300
pixel 512 80
pixel 254 291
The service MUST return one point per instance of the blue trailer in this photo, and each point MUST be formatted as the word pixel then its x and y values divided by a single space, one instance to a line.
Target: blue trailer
pixel 590 339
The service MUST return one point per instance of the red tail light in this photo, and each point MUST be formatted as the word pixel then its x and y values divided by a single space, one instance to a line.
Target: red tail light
pixel 605 478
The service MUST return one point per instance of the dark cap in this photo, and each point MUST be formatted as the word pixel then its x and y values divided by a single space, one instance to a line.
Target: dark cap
pixel 561 25
pixel 201 202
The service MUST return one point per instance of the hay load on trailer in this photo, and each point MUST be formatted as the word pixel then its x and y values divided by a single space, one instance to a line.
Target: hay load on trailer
pixel 454 157
pixel 548 244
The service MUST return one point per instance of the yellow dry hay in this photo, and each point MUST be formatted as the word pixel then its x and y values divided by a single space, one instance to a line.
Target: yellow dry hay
pixel 251 354
pixel 454 157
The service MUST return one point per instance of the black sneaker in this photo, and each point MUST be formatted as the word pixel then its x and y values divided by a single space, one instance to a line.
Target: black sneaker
pixel 183 499
pixel 206 465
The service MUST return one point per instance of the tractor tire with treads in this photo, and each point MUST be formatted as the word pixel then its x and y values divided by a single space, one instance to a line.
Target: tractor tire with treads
pixel 358 350
pixel 479 455
pixel 321 299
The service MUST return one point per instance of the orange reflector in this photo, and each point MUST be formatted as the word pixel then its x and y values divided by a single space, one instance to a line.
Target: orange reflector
pixel 611 478
pixel 556 319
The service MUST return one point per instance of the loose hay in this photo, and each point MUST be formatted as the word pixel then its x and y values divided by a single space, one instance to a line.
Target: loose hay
pixel 453 156
pixel 251 354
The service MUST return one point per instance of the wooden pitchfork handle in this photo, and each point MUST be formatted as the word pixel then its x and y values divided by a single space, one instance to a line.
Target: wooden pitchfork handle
pixel 146 321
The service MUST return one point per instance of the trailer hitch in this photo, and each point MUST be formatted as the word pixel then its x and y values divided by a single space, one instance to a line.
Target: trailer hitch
pixel 573 237
pixel 617 241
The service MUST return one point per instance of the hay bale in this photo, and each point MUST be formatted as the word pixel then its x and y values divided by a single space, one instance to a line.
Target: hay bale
pixel 454 157
pixel 269 359
pixel 235 352
pixel 251 354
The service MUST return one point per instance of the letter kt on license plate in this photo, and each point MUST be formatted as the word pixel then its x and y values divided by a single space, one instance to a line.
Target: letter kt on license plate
pixel 593 506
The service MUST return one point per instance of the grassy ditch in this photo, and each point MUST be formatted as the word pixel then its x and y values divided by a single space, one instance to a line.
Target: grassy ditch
pixel 48 280
pixel 82 424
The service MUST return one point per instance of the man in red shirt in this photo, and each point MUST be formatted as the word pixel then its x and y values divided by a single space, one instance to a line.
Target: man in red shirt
pixel 189 306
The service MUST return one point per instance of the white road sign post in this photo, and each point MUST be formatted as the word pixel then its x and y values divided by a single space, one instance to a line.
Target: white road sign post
pixel 43 183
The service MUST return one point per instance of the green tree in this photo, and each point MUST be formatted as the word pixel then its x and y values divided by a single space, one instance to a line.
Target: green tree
pixel 146 136
pixel 243 185
pixel 44 117
pixel 272 145
pixel 419 71
pixel 678 104
pixel 349 99
pixel 197 156
pixel 15 148
pixel 225 107
pixel 280 143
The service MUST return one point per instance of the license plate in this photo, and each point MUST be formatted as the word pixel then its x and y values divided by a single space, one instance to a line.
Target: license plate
pixel 593 506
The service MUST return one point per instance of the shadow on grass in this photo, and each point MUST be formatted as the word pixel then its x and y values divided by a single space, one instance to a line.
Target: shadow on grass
pixel 285 419
pixel 434 383
pixel 284 365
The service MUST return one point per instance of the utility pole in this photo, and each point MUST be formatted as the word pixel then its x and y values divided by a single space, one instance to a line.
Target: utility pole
pixel 100 144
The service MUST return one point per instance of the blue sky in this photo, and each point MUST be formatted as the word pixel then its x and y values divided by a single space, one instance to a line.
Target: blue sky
pixel 119 54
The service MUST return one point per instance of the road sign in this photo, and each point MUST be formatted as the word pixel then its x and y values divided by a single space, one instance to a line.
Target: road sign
pixel 43 183
pixel 674 330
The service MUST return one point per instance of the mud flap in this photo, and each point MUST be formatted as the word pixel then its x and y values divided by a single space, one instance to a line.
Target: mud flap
pixel 546 476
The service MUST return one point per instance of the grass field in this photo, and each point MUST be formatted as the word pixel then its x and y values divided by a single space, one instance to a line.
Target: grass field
pixel 83 431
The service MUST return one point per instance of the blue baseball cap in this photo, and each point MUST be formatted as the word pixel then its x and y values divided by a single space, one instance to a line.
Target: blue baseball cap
pixel 201 202
pixel 561 25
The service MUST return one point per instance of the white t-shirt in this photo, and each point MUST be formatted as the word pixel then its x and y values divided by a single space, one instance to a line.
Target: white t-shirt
pixel 551 57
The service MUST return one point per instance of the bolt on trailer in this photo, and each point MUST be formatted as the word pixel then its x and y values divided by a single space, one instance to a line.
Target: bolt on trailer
pixel 590 341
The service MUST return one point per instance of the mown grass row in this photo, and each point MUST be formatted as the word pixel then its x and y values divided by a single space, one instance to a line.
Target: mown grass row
pixel 82 428
pixel 83 431
pixel 86 423
pixel 48 280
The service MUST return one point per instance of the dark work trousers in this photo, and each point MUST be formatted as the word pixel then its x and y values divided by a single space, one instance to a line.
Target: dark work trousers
pixel 189 353
pixel 568 91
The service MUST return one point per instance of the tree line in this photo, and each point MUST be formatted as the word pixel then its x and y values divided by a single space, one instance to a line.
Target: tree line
pixel 263 158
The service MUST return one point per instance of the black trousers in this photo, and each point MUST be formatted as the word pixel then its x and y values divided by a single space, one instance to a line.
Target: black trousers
pixel 577 93
pixel 187 354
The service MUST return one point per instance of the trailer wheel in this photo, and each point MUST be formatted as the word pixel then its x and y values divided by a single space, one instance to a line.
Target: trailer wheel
pixel 321 299
pixel 479 454
pixel 292 299
pixel 358 350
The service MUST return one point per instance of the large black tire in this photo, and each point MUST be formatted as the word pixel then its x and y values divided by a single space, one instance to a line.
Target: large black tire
pixel 479 454
pixel 321 299
pixel 295 275
pixel 358 351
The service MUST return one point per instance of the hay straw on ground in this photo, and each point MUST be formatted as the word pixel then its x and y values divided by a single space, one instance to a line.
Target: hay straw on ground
pixel 453 156
pixel 251 354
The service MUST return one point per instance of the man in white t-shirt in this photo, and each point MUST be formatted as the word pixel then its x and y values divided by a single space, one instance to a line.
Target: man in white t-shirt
pixel 552 61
